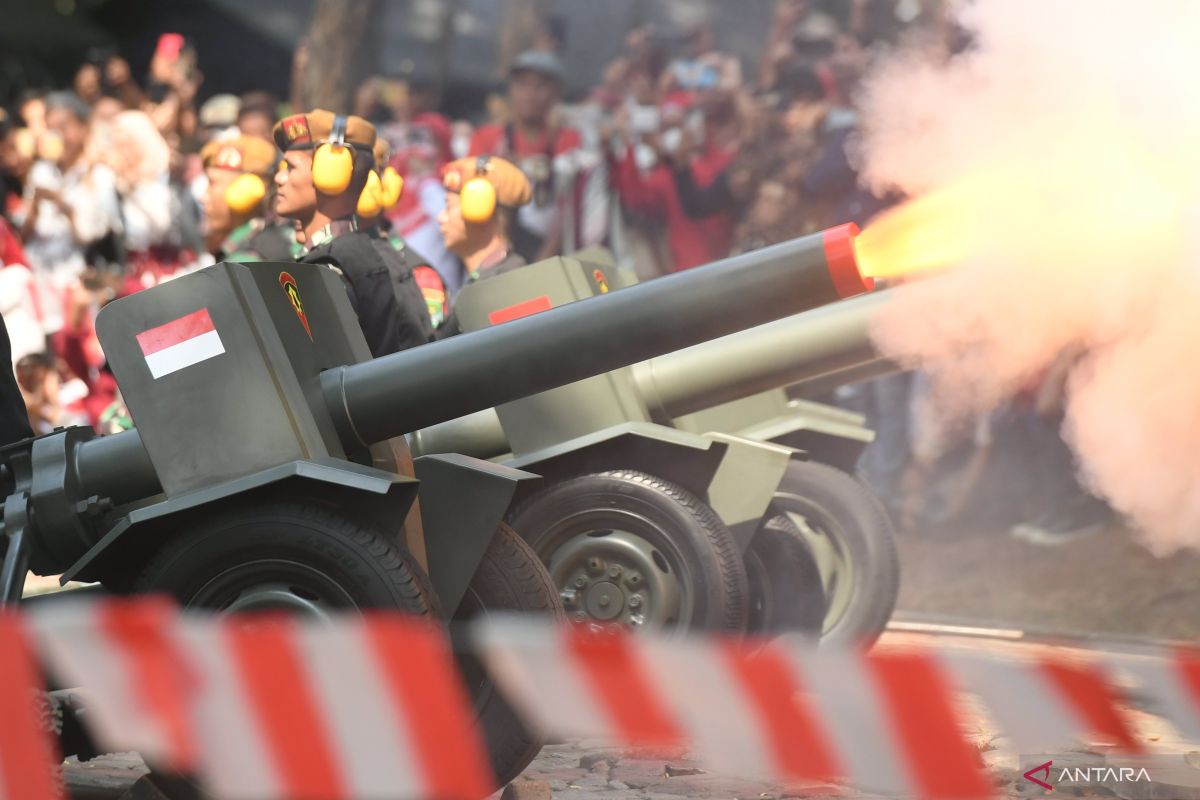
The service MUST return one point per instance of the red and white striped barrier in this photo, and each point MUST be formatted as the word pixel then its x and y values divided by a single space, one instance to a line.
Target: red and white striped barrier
pixel 371 706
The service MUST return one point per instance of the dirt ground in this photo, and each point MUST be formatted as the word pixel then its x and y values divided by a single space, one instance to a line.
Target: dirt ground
pixel 1103 584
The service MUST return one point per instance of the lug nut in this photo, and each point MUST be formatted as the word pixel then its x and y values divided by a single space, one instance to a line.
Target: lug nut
pixel 614 571
pixel 604 601
pixel 635 601
pixel 580 616
pixel 568 596
pixel 581 581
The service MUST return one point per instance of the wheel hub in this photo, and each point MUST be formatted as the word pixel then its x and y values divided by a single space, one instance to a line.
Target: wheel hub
pixel 605 601
pixel 616 576
pixel 274 585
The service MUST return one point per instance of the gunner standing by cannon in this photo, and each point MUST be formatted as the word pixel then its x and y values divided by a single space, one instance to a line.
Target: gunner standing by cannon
pixel 328 160
pixel 483 194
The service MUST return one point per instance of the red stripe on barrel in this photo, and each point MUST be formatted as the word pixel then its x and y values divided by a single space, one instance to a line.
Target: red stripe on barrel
pixel 843 264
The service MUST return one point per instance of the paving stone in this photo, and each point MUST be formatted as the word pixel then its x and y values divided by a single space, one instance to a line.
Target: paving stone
pixel 589 781
pixel 640 774
pixel 521 789
pixel 600 760
pixel 674 771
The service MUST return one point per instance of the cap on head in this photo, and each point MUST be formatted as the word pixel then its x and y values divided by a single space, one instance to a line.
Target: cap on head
pixel 312 129
pixel 333 138
pixel 467 176
pixel 539 61
pixel 247 154
pixel 252 158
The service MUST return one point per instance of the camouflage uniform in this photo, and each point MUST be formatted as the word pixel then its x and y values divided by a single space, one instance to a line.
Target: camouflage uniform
pixel 259 240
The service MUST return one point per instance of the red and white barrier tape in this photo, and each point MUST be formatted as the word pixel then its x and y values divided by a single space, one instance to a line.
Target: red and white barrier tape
pixel 371 706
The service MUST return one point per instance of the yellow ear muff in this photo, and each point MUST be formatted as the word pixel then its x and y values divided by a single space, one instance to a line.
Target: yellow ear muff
pixel 370 202
pixel 333 163
pixel 332 168
pixel 393 185
pixel 478 200
pixel 245 193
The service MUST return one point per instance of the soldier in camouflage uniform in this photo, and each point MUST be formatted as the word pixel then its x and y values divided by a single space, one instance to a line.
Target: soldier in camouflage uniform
pixel 238 223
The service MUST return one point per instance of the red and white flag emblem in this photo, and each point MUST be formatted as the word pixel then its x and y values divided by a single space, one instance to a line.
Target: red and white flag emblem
pixel 181 343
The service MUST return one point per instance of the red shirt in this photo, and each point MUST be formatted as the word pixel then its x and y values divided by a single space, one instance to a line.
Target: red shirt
pixel 11 251
pixel 491 140
pixel 692 241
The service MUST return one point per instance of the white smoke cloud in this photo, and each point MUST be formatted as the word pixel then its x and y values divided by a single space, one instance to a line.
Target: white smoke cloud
pixel 1064 150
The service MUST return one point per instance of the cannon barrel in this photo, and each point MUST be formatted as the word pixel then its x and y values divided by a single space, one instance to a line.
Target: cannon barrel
pixel 389 396
pixel 407 391
pixel 819 346
pixel 791 350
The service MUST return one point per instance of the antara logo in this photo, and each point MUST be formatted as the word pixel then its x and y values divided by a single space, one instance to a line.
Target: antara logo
pixel 1045 770
pixel 293 292
pixel 1086 775
pixel 1100 774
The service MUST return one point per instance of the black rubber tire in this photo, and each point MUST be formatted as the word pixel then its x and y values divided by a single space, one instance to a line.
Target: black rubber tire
pixel 670 517
pixel 786 596
pixel 372 571
pixel 510 578
pixel 847 510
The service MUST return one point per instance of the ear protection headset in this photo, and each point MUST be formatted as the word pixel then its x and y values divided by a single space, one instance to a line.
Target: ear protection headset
pixel 333 161
pixel 393 185
pixel 370 202
pixel 380 193
pixel 478 196
pixel 245 192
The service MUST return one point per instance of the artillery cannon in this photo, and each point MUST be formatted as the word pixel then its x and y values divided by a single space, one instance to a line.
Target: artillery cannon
pixel 698 427
pixel 265 472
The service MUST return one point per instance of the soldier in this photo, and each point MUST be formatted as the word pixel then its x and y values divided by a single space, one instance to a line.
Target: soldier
pixel 328 160
pixel 482 197
pixel 235 209
pixel 379 196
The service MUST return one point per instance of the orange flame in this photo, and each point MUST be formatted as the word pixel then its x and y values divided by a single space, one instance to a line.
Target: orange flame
pixel 1116 194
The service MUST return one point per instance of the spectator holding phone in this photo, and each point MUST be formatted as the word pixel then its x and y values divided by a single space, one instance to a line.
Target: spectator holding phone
pixel 71 203
pixel 535 140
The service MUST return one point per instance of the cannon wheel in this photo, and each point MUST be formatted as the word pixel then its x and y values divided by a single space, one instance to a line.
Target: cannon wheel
pixel 308 561
pixel 852 541
pixel 286 556
pixel 627 547
pixel 786 593
pixel 510 578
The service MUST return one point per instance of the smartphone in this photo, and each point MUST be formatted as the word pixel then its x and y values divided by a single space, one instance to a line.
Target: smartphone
pixel 707 78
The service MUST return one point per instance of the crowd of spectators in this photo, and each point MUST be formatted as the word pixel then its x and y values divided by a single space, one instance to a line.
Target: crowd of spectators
pixel 681 155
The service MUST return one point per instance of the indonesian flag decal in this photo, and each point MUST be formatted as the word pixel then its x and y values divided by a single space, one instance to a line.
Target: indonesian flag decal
pixel 180 344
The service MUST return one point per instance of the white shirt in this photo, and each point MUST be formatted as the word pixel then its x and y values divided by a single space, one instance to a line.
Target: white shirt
pixel 91 193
